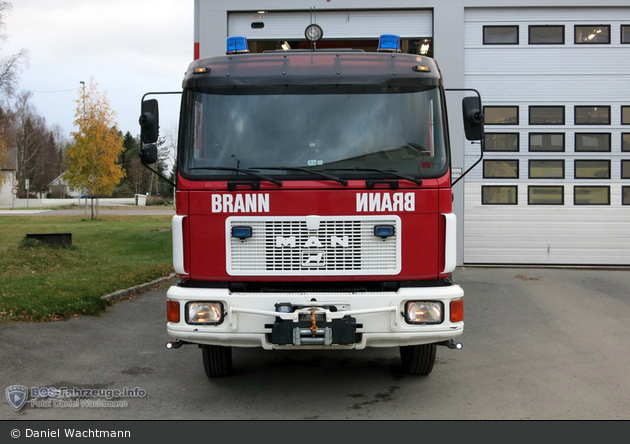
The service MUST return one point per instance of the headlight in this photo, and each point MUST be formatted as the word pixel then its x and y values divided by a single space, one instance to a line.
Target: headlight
pixel 204 313
pixel 424 312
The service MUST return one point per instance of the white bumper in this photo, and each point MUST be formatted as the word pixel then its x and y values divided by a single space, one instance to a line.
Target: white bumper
pixel 379 316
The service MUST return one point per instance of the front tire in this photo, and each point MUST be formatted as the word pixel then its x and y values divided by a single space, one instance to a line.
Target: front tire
pixel 217 360
pixel 418 359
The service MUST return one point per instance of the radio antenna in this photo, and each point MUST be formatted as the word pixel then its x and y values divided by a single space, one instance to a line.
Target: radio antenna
pixel 313 21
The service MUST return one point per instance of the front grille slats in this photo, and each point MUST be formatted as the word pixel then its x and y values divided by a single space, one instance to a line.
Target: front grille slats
pixel 285 246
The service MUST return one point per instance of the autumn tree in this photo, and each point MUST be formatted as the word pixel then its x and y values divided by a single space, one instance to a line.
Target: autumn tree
pixel 6 132
pixel 93 158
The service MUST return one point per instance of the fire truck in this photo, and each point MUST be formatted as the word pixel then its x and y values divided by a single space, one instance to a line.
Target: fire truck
pixel 313 203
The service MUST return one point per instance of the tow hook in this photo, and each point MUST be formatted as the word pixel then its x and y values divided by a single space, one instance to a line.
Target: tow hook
pixel 452 344
pixel 175 344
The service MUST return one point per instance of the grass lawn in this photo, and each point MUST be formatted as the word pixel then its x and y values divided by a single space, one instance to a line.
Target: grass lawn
pixel 40 282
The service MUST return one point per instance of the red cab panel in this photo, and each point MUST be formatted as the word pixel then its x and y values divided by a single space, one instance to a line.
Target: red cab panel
pixel 314 235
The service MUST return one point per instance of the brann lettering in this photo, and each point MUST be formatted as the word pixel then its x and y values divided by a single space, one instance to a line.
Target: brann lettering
pixel 240 203
pixel 381 202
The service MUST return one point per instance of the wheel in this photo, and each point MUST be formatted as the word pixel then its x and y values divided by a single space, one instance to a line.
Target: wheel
pixel 217 360
pixel 418 359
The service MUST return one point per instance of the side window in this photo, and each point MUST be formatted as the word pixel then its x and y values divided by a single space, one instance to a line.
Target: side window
pixel 625 34
pixel 546 169
pixel 546 35
pixel 501 142
pixel 592 169
pixel 545 195
pixel 500 169
pixel 499 195
pixel 625 142
pixel 500 115
pixel 592 115
pixel 625 115
pixel 592 142
pixel 500 35
pixel 546 115
pixel 542 142
pixel 591 195
pixel 592 34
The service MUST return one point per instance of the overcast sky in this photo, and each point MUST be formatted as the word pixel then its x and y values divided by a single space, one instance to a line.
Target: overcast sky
pixel 129 47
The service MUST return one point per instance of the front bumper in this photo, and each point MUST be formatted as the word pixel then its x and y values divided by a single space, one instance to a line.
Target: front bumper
pixel 343 320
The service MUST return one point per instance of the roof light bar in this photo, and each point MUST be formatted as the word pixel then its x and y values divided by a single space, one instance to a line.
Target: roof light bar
pixel 389 43
pixel 237 45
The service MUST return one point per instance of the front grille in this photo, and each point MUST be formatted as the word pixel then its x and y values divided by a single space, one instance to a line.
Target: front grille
pixel 330 246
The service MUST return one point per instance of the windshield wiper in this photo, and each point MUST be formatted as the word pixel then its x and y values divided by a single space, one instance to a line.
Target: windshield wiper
pixel 240 170
pixel 306 170
pixel 393 173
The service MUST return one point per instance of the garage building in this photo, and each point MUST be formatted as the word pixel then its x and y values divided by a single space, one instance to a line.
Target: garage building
pixel 554 185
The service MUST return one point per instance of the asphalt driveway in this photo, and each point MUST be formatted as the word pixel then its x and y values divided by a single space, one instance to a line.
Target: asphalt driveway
pixel 542 344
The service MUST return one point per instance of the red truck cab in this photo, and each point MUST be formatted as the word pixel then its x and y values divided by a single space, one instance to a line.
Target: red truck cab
pixel 314 205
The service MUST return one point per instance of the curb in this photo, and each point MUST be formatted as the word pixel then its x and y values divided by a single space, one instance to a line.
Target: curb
pixel 132 291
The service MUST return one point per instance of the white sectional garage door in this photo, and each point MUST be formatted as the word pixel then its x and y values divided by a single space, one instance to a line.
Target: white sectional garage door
pixel 355 24
pixel 554 186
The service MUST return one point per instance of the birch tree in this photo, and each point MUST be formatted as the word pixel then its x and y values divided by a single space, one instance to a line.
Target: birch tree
pixel 93 158
pixel 37 151
pixel 10 69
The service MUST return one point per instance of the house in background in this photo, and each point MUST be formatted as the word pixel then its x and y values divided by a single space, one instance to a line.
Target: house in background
pixel 60 189
pixel 8 172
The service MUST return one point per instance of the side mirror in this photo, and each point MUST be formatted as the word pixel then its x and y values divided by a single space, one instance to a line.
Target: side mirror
pixel 149 121
pixel 473 118
pixel 149 154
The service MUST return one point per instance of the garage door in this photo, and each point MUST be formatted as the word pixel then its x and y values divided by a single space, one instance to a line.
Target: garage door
pixel 554 186
pixel 350 24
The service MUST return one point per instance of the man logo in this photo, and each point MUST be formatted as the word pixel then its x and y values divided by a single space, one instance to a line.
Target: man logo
pixel 16 395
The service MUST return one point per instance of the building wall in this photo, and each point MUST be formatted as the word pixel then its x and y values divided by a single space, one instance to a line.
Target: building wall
pixel 457 61
pixel 578 226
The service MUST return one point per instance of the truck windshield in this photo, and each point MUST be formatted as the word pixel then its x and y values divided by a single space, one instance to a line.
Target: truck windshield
pixel 345 130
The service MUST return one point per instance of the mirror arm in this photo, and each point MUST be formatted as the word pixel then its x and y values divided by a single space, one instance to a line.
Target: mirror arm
pixel 482 141
pixel 160 175
pixel 473 165
pixel 158 93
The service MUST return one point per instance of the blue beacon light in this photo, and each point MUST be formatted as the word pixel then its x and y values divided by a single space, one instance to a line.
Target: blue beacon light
pixel 384 231
pixel 242 233
pixel 389 43
pixel 237 45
